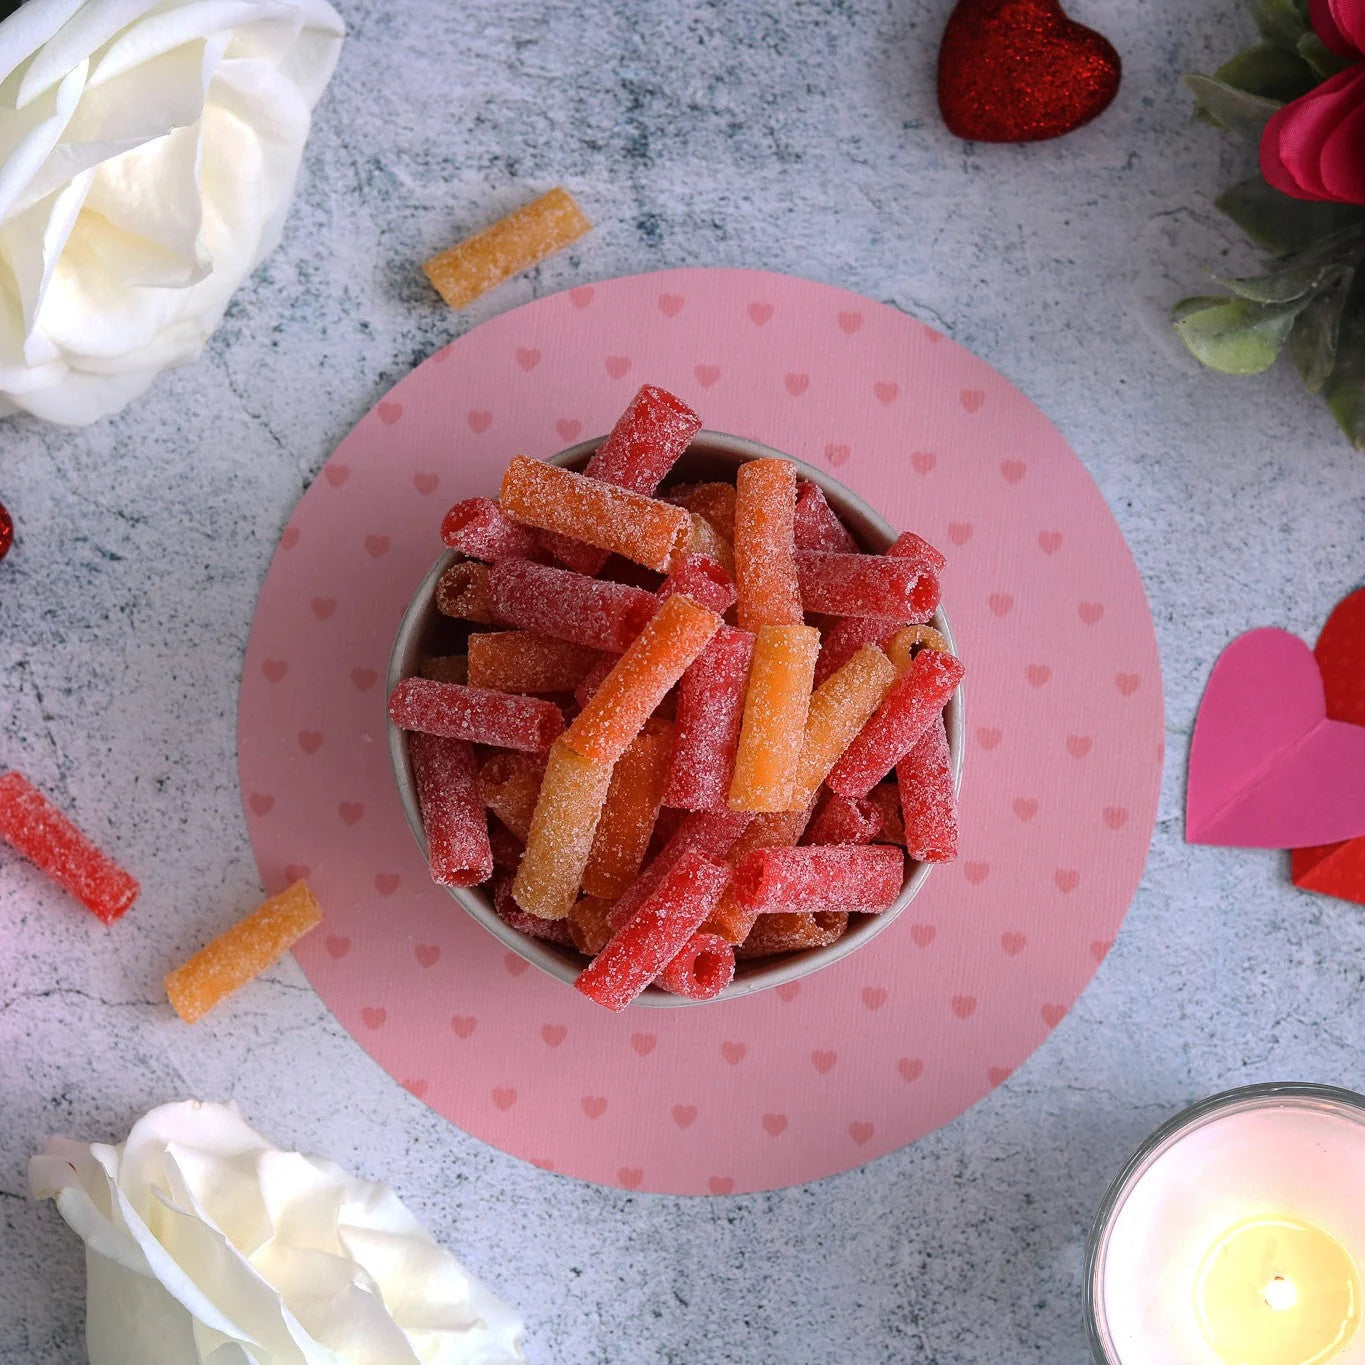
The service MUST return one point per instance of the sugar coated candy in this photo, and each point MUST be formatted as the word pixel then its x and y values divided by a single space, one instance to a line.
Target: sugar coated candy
pixel 510 784
pixel 590 924
pixel 817 527
pixel 927 797
pixel 704 579
pixel 866 585
pixel 569 606
pixel 765 545
pixel 866 878
pixel 512 915
pixel 452 809
pixel 704 968
pixel 792 933
pixel 526 661
pixel 462 592
pixel 841 821
pixel 633 801
pixel 478 714
pixel 904 644
pixel 710 709
pixel 778 829
pixel 840 641
pixel 477 527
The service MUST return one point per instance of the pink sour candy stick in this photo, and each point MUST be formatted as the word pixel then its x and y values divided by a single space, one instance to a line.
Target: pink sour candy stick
pixel 511 914
pixel 866 878
pixel 479 528
pixel 34 827
pixel 928 801
pixel 841 821
pixel 710 712
pixel 702 970
pixel 453 815
pixel 817 525
pixel 867 585
pixel 568 606
pixel 643 446
pixel 915 699
pixel 704 580
pixel 480 715
pixel 656 933
pixel 846 637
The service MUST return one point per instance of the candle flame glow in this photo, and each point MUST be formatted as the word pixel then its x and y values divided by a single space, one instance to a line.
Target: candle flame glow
pixel 1280 1294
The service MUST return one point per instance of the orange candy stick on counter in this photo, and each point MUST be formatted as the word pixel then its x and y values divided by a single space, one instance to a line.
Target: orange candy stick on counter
pixel 655 660
pixel 765 545
pixel 243 952
pixel 775 711
pixel 639 528
pixel 471 268
pixel 633 801
pixel 572 794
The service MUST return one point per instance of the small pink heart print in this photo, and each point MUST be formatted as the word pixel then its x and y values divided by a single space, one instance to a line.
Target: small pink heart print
pixel 706 375
pixel 386 883
pixel 594 1106
pixel 310 741
pixel 1090 612
pixel 373 1016
pixel 989 737
pixel 337 945
pixel 964 1006
pixel 850 322
pixel 971 399
pixel 923 461
pixel 553 1034
pixel 1053 1015
pixel 289 537
pixel 1049 542
pixel 389 411
pixel 684 1115
pixel 323 607
pixel 617 365
pixel 274 669
pixel 515 965
pixel 427 954
pixel 1078 746
pixel 260 803
pixel 1025 808
pixel 351 812
pixel 861 1133
pixel 1000 603
pixel 670 305
pixel 1037 674
pixel 774 1124
pixel 733 1052
pixel 998 1075
pixel 568 429
pixel 960 532
pixel 759 313
pixel 911 1068
pixel 415 1088
pixel 528 358
pixel 885 391
pixel 1013 470
pixel 1067 879
pixel 873 997
pixel 1099 948
pixel 922 935
pixel 823 1061
pixel 837 455
pixel 788 991
pixel 376 546
pixel 1013 944
pixel 479 421
pixel 1127 683
pixel 462 1025
pixel 631 1177
pixel 1115 816
pixel 336 474
pixel 296 872
pixel 504 1097
pixel 582 296
pixel 796 383
pixel 975 873
pixel 426 483
pixel 542 1163
pixel 720 1184
pixel 643 1043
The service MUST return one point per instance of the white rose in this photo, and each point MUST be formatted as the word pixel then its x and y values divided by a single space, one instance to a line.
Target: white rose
pixel 148 152
pixel 205 1245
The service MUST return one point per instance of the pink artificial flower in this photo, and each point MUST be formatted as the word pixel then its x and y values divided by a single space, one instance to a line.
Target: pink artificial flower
pixel 1314 148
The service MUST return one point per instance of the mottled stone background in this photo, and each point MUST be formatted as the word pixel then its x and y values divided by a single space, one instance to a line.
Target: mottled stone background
pixel 800 135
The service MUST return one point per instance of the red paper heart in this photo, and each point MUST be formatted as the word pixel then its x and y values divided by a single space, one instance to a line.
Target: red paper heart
pixel 1021 71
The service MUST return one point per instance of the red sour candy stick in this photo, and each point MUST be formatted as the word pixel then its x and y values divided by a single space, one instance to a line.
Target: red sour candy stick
pixel 702 970
pixel 511 914
pixel 915 699
pixel 568 606
pixel 841 821
pixel 34 827
pixel 846 637
pixel 657 932
pixel 704 580
pixel 866 878
pixel 505 845
pixel 478 714
pixel 478 527
pixel 908 545
pixel 710 711
pixel 453 815
pixel 817 525
pixel 867 585
pixel 928 801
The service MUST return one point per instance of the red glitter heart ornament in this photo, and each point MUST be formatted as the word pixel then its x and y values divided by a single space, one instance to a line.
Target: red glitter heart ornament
pixel 1021 71
pixel 6 531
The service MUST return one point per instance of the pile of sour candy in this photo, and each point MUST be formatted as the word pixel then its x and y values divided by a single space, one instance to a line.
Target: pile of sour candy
pixel 703 725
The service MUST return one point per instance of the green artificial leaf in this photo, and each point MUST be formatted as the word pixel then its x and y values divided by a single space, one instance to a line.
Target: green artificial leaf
pixel 1324 62
pixel 1281 21
pixel 1282 224
pixel 1269 71
pixel 1235 336
pixel 1233 110
pixel 1345 388
pixel 1313 340
pixel 1279 286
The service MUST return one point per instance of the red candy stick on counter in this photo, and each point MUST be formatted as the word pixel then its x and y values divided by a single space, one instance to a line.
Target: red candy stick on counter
pixel 657 932
pixel 702 970
pixel 453 815
pixel 600 614
pixel 867 878
pixel 867 585
pixel 480 715
pixel 928 801
pixel 817 525
pixel 478 527
pixel 704 580
pixel 710 711
pixel 841 821
pixel 34 827
pixel 915 699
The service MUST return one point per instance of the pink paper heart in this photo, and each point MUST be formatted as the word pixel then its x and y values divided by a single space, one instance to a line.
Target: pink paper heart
pixel 1267 768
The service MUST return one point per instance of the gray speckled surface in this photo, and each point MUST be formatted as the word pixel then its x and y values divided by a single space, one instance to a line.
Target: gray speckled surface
pixel 800 135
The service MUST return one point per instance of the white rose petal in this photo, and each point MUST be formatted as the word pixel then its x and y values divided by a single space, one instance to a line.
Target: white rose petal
pixel 148 154
pixel 205 1245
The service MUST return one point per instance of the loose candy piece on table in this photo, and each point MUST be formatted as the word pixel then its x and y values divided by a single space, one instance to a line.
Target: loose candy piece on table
pixel 792 933
pixel 702 970
pixel 927 797
pixel 653 662
pixel 633 801
pixel 464 272
pixel 704 579
pixel 817 527
pixel 512 915
pixel 450 668
pixel 478 527
pixel 842 640
pixel 477 714
pixel 710 709
pixel 765 545
pixel 841 821
pixel 642 529
pixel 886 797
pixel 568 606
pixel 462 592
pixel 916 697
pixel 778 829
pixel 243 952
pixel 572 794
pixel 35 828
pixel 904 644
pixel 865 877
pixel 866 585
pixel 839 708
pixel 656 933
pixel 713 502
pixel 510 784
pixel 526 661
pixel 774 723
pixel 589 924
pixel 453 817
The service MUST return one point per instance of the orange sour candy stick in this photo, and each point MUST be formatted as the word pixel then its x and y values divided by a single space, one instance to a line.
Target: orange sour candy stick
pixel 525 661
pixel 510 784
pixel 901 648
pixel 765 545
pixel 633 801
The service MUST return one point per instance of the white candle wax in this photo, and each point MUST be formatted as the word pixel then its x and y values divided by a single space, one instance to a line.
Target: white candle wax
pixel 1237 1239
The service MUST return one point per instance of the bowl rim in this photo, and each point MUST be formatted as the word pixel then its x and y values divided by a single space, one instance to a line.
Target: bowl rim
pixel 547 957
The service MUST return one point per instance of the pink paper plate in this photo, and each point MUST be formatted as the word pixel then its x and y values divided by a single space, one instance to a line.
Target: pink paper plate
pixel 1060 778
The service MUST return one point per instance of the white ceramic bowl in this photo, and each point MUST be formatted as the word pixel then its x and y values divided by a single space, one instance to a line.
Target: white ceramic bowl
pixel 425 632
